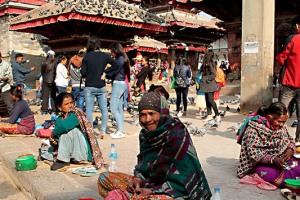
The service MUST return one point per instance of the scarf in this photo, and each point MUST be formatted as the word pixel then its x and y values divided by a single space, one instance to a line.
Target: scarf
pixel 258 141
pixel 252 117
pixel 87 129
pixel 168 162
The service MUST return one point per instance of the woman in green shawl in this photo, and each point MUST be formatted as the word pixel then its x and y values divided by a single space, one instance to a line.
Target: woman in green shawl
pixel 168 166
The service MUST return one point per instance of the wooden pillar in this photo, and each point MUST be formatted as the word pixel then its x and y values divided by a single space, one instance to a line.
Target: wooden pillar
pixel 257 53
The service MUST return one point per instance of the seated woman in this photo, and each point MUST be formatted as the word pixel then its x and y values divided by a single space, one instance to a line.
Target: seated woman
pixel 74 135
pixel 168 166
pixel 266 147
pixel 21 120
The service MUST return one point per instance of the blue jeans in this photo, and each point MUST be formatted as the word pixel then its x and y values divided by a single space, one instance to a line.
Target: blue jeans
pixel 125 103
pixel 78 95
pixel 101 94
pixel 286 94
pixel 61 89
pixel 116 103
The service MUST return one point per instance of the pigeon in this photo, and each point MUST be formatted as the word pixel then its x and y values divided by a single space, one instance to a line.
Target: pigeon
pixel 135 123
pixel 111 117
pixel 236 101
pixel 222 113
pixel 295 123
pixel 222 102
pixel 227 108
pixel 179 114
pixel 215 125
pixel 234 127
pixel 95 122
pixel 114 123
pixel 238 109
pixel 187 123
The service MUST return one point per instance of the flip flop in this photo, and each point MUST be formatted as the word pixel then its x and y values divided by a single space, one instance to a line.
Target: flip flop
pixel 288 194
pixel 90 173
pixel 84 170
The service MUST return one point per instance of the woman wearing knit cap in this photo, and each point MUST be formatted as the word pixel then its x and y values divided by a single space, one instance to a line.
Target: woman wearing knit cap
pixel 168 166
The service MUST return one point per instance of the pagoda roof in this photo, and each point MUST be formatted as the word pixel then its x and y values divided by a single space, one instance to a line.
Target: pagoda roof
pixel 188 19
pixel 146 44
pixel 87 13
pixel 18 7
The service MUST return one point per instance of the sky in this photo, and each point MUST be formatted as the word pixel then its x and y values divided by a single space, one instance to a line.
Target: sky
pixel 203 14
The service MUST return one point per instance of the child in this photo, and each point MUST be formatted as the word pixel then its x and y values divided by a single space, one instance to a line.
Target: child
pixel 200 98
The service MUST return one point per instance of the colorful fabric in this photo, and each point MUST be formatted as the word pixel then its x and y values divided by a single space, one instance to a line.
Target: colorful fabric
pixel 252 117
pixel 87 129
pixel 254 179
pixel 259 143
pixel 26 125
pixel 8 128
pixel 168 162
pixel 115 184
pixel 276 176
pixel 198 81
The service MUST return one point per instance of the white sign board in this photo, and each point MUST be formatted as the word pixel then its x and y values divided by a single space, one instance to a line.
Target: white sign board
pixel 251 47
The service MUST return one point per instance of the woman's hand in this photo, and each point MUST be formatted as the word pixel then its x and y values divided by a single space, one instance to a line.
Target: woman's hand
pixel 143 192
pixel 133 185
pixel 103 76
pixel 279 162
pixel 288 154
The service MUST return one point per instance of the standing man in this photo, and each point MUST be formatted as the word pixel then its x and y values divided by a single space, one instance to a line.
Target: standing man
pixel 4 83
pixel 93 65
pixel 18 71
pixel 289 59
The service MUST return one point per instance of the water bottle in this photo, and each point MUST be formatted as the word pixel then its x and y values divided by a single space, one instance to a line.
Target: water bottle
pixel 113 159
pixel 216 195
pixel 53 117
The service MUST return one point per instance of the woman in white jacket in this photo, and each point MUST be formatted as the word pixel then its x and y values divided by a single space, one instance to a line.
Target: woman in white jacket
pixel 61 78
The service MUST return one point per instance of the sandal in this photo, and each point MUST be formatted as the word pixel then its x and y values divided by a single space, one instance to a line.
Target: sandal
pixel 91 173
pixel 288 194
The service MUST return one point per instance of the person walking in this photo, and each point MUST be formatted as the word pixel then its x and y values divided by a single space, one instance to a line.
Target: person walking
pixel 117 74
pixel 48 71
pixel 4 84
pixel 289 59
pixel 208 85
pixel 19 71
pixel 182 70
pixel 93 66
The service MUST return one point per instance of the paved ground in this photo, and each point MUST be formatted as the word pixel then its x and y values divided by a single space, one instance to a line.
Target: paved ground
pixel 8 190
pixel 217 150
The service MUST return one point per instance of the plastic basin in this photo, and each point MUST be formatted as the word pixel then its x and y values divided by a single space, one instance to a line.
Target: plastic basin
pixel 25 163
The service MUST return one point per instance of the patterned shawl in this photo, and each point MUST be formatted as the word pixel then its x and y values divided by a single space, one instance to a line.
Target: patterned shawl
pixel 259 142
pixel 168 162
pixel 87 129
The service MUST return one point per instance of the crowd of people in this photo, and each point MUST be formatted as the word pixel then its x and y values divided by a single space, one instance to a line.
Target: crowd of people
pixel 167 166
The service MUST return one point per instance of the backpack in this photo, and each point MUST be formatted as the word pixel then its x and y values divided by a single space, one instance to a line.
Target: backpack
pixel 220 77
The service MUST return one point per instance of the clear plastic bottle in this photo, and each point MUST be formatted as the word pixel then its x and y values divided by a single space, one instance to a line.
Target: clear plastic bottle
pixel 216 195
pixel 113 159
